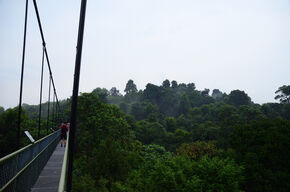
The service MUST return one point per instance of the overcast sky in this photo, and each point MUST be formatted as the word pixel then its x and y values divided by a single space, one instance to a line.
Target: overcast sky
pixel 224 44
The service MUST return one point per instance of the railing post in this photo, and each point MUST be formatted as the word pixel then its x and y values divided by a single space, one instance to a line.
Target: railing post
pixel 75 93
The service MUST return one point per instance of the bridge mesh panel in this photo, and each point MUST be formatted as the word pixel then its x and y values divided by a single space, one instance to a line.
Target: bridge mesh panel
pixel 10 167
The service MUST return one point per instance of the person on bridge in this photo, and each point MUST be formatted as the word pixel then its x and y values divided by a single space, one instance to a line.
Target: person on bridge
pixel 63 134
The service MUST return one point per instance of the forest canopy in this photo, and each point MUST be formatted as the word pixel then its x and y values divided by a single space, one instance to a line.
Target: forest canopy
pixel 183 139
pixel 172 137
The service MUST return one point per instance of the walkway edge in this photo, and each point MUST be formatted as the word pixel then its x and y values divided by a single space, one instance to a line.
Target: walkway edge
pixel 62 181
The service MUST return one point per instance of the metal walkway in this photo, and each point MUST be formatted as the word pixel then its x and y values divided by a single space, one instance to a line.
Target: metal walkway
pixel 48 179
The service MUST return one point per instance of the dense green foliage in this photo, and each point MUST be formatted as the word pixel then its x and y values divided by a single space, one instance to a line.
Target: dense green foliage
pixel 9 129
pixel 173 137
pixel 192 141
pixel 29 122
pixel 283 94
pixel 107 150
pixel 263 147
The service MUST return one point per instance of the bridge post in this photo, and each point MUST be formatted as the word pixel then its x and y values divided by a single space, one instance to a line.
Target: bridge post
pixel 75 94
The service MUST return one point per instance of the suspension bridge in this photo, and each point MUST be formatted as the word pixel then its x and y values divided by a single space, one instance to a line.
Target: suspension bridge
pixel 43 165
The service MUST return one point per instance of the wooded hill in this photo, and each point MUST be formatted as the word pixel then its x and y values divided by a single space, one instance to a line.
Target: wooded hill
pixel 173 137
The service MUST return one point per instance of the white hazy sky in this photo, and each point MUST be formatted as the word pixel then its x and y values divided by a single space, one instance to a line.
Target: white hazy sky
pixel 224 44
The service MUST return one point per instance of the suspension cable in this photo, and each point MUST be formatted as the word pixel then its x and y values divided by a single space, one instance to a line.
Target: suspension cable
pixel 40 102
pixel 45 49
pixel 53 98
pixel 47 123
pixel 22 71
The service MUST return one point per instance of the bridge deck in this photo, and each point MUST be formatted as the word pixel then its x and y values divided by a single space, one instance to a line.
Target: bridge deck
pixel 49 177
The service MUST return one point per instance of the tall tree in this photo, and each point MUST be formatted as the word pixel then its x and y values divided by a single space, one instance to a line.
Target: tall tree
pixel 174 84
pixel 166 83
pixel 152 93
pixel 238 98
pixel 205 92
pixel 114 92
pixel 2 109
pixel 216 94
pixel 102 93
pixel 130 87
pixel 190 87
pixel 283 94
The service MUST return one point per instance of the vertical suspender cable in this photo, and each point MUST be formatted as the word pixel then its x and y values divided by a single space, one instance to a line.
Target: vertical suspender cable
pixel 40 102
pixel 47 123
pixel 56 115
pixel 53 110
pixel 75 93
pixel 22 71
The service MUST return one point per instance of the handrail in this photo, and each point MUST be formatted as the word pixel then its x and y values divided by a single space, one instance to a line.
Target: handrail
pixel 5 158
pixel 22 149
pixel 20 169
pixel 62 181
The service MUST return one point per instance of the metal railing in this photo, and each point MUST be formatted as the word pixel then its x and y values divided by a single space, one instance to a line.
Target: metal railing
pixel 63 176
pixel 20 170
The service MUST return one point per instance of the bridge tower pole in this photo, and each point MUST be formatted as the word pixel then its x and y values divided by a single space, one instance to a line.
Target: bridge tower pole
pixel 75 94
pixel 21 81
